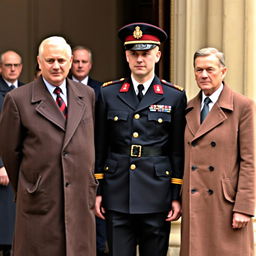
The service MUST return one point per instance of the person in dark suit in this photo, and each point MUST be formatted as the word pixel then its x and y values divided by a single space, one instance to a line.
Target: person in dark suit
pixel 81 67
pixel 11 68
pixel 139 149
pixel 47 145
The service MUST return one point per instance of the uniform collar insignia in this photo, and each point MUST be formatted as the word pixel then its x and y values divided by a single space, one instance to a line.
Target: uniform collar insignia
pixel 125 87
pixel 158 89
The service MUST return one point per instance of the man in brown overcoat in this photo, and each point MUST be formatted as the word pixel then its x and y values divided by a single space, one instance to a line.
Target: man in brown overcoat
pixel 218 194
pixel 48 151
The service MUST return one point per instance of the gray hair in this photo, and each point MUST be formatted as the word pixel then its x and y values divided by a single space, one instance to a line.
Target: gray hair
pixel 54 40
pixel 81 47
pixel 210 51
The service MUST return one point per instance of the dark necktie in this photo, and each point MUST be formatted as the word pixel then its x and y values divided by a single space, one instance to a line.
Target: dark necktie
pixel 60 102
pixel 12 87
pixel 205 109
pixel 140 94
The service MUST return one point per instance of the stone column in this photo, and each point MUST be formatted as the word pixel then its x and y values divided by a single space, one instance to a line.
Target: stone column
pixel 224 24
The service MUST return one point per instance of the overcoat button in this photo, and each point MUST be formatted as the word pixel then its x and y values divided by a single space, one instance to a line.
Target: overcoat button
pixel 133 167
pixel 193 143
pixel 211 168
pixel 193 190
pixel 213 144
pixel 67 184
pixel 193 167
pixel 136 116
pixel 210 192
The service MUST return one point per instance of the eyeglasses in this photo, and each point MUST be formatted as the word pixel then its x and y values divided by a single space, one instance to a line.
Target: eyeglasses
pixel 8 65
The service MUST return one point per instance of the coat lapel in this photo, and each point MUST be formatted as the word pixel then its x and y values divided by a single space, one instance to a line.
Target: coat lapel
pixel 216 116
pixel 46 105
pixel 128 97
pixel 76 109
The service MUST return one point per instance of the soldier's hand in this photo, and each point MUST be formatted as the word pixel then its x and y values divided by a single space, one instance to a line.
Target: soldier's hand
pixel 175 212
pixel 99 210
pixel 240 220
pixel 4 179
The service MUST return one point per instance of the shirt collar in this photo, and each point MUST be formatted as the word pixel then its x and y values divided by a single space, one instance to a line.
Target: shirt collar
pixel 146 85
pixel 14 83
pixel 84 81
pixel 215 96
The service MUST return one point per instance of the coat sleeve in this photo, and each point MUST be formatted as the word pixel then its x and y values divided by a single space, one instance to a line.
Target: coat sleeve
pixel 245 196
pixel 10 139
pixel 177 146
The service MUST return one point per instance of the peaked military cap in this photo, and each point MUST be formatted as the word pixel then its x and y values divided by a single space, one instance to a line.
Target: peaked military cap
pixel 141 36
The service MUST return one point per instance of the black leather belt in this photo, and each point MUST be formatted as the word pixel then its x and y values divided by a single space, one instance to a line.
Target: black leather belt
pixel 138 150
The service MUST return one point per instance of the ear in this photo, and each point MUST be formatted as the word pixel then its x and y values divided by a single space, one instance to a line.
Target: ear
pixel 39 62
pixel 127 56
pixel 158 56
pixel 224 72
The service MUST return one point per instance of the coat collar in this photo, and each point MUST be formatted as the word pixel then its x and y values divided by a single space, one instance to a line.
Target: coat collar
pixel 48 108
pixel 217 115
pixel 130 98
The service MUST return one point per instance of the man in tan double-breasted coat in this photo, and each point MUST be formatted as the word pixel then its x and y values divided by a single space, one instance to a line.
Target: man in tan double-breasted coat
pixel 219 181
pixel 49 157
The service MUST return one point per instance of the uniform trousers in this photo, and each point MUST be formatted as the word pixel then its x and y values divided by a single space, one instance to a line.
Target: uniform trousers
pixel 149 231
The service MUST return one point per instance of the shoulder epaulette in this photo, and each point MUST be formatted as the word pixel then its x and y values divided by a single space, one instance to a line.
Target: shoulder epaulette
pixel 172 85
pixel 112 82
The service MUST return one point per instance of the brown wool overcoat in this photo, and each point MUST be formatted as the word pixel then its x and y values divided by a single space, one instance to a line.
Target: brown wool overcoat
pixel 50 163
pixel 219 177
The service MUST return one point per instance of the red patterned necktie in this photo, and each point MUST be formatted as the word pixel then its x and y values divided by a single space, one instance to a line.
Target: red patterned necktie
pixel 60 102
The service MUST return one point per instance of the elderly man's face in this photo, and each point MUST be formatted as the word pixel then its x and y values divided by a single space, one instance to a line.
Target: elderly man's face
pixel 11 66
pixel 209 73
pixel 54 64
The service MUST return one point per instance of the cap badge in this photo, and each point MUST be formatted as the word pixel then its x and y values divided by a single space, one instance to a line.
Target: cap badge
pixel 137 33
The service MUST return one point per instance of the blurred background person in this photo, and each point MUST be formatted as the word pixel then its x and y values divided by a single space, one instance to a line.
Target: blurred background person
pixel 81 67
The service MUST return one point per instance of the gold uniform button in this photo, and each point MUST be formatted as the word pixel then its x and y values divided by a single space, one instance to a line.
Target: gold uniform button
pixel 160 120
pixel 135 135
pixel 116 118
pixel 106 168
pixel 167 172
pixel 133 167
pixel 136 116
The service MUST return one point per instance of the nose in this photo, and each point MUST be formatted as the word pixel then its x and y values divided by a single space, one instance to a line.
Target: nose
pixel 204 73
pixel 56 64
pixel 139 58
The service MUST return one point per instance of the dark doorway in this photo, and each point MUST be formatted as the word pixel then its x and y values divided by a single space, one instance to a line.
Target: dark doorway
pixel 149 11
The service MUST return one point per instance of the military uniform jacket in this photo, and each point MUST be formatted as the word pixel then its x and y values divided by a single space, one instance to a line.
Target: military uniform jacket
pixel 139 146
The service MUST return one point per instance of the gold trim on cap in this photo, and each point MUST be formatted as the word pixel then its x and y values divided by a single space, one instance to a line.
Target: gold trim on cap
pixel 142 42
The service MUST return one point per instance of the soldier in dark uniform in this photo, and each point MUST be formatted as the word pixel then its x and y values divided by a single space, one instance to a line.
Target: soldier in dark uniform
pixel 139 149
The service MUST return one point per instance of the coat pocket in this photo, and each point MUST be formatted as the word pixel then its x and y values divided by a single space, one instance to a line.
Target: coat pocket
pixel 228 190
pixel 32 196
pixel 93 185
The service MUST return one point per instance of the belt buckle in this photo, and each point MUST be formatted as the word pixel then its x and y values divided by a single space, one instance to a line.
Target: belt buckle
pixel 136 150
